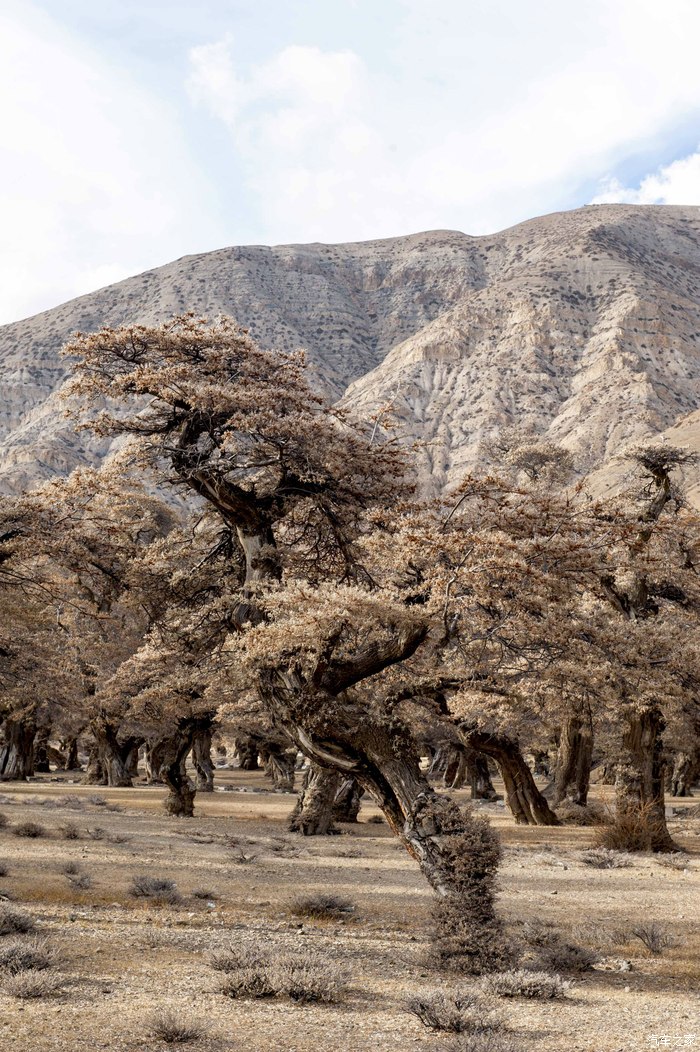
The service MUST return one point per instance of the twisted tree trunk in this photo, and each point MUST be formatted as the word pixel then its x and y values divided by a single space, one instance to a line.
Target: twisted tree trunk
pixel 572 777
pixel 41 751
pixel 682 775
pixel 480 776
pixel 313 811
pixel 203 764
pixel 348 800
pixel 526 802
pixel 247 750
pixel 279 766
pixel 109 764
pixel 17 750
pixel 639 786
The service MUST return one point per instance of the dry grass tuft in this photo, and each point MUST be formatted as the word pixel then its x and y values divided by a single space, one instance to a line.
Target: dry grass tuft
pixel 656 937
pixel 159 890
pixel 29 829
pixel 32 985
pixel 171 1028
pixel 456 1012
pixel 322 906
pixel 19 955
pixel 541 986
pixel 15 922
pixel 488 1041
pixel 605 858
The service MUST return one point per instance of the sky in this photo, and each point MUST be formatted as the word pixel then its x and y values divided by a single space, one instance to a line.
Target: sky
pixel 133 132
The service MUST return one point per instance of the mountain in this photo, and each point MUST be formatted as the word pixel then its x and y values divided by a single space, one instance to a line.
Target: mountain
pixel 584 325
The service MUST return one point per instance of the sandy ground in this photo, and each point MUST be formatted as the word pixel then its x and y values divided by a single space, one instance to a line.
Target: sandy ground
pixel 124 958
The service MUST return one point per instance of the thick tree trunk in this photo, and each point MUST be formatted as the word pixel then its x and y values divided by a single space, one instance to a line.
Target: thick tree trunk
pixel 247 750
pixel 479 776
pixel 572 777
pixel 17 750
pixel 41 751
pixel 279 766
pixel 152 760
pixel 527 803
pixel 203 764
pixel 455 769
pixel 94 772
pixel 69 747
pixel 112 759
pixel 682 774
pixel 313 812
pixel 348 800
pixel 639 786
pixel 172 753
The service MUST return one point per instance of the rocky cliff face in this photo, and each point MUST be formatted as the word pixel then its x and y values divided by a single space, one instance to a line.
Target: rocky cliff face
pixel 584 325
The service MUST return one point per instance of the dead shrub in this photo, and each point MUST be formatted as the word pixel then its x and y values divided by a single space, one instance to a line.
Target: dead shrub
pixel 71 868
pixel 322 906
pixel 554 954
pixel 96 800
pixel 677 860
pixel 656 937
pixel 633 830
pixel 173 1029
pixel 32 985
pixel 235 958
pixel 97 833
pixel 246 971
pixel 159 890
pixel 541 986
pixel 307 978
pixel 487 1041
pixel 4 869
pixel 572 814
pixel 604 858
pixel 19 955
pixel 70 831
pixel 29 829
pixel 4 820
pixel 79 881
pixel 15 922
pixel 205 893
pixel 455 1012
pixel 375 820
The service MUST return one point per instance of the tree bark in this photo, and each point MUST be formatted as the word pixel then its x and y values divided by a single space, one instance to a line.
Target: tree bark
pixel 17 750
pixel 313 812
pixel 201 758
pixel 639 786
pixel 572 777
pixel 348 800
pixel 111 763
pixel 278 762
pixel 41 751
pixel 479 776
pixel 153 756
pixel 683 774
pixel 172 753
pixel 247 750
pixel 526 802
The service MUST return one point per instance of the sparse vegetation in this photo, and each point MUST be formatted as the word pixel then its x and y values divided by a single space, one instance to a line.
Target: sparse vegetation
pixel 14 921
pixel 605 858
pixel 656 937
pixel 541 986
pixel 456 1012
pixel 322 906
pixel 70 831
pixel 4 820
pixel 159 890
pixel 33 985
pixel 174 1029
pixel 32 830
pixel 17 955
pixel 303 976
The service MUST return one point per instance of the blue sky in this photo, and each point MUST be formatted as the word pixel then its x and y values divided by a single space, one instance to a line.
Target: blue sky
pixel 134 133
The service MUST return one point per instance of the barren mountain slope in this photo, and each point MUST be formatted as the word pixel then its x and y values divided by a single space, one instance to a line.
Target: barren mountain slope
pixel 585 323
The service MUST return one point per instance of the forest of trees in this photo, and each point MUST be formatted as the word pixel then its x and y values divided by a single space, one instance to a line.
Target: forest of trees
pixel 257 563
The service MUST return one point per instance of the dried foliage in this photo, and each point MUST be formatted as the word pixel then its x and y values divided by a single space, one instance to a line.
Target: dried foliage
pixel 159 890
pixel 173 1029
pixel 656 937
pixel 14 921
pixel 322 906
pixel 17 955
pixel 605 858
pixel 456 1011
pixel 29 829
pixel 533 985
pixel 32 985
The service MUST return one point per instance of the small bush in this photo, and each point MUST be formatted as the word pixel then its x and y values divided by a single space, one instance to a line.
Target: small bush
pixel 19 955
pixel 173 1029
pixel 455 1012
pixel 14 922
pixel 156 889
pixel 322 906
pixel 307 978
pixel 634 830
pixel 205 893
pixel 30 985
pixel 29 829
pixel 604 858
pixel 565 957
pixel 246 970
pixel 540 986
pixel 71 868
pixel 572 814
pixel 235 958
pixel 4 869
pixel 375 820
pixel 97 833
pixel 656 937
pixel 70 831
pixel 677 860
pixel 79 881
pixel 487 1041
pixel 96 800
pixel 4 820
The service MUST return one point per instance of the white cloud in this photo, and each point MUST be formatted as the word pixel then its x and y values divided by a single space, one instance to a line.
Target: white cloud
pixel 95 180
pixel 483 114
pixel 675 184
